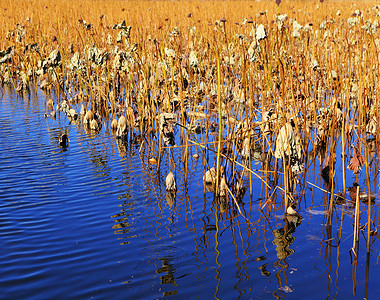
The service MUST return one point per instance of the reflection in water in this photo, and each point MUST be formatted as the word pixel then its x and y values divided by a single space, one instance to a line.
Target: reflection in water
pixel 170 198
pixel 222 206
pixel 263 269
pixel 198 243
pixel 121 146
pixel 283 237
pixel 167 278
pixel 123 226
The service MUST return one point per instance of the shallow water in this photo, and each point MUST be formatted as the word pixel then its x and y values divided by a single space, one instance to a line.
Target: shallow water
pixel 94 220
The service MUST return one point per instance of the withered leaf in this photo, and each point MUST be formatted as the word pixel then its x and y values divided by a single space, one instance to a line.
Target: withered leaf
pixel 356 162
pixel 170 182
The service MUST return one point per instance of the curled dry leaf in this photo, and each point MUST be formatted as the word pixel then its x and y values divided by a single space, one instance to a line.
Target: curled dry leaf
pixel 209 179
pixel 63 107
pixel 44 85
pixel 170 182
pixel 54 58
pixel 371 127
pixel 167 123
pixel 152 161
pixel 290 211
pixel 193 60
pixel 281 19
pixel 266 126
pixel 222 187
pixel 114 124
pixel 88 117
pixel 286 142
pixel 210 176
pixel 260 33
pixel 356 162
pixel 121 127
pixel 296 29
pixel 170 53
pixel 72 114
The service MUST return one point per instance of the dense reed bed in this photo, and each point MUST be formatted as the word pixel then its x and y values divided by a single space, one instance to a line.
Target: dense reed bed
pixel 290 86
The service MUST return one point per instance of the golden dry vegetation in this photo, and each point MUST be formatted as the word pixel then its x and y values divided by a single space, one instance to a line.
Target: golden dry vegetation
pixel 283 84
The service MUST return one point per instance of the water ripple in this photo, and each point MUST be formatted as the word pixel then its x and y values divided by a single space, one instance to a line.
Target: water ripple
pixel 94 220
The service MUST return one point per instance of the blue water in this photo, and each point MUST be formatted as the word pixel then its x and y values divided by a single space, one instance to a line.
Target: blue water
pixel 94 221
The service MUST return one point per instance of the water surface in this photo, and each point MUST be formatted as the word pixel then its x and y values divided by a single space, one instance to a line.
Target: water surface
pixel 94 220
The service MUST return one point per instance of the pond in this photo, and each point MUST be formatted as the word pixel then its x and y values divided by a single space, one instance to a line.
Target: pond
pixel 94 220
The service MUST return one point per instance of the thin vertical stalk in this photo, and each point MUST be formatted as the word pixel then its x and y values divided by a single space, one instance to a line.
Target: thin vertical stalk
pixel 369 194
pixel 220 128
